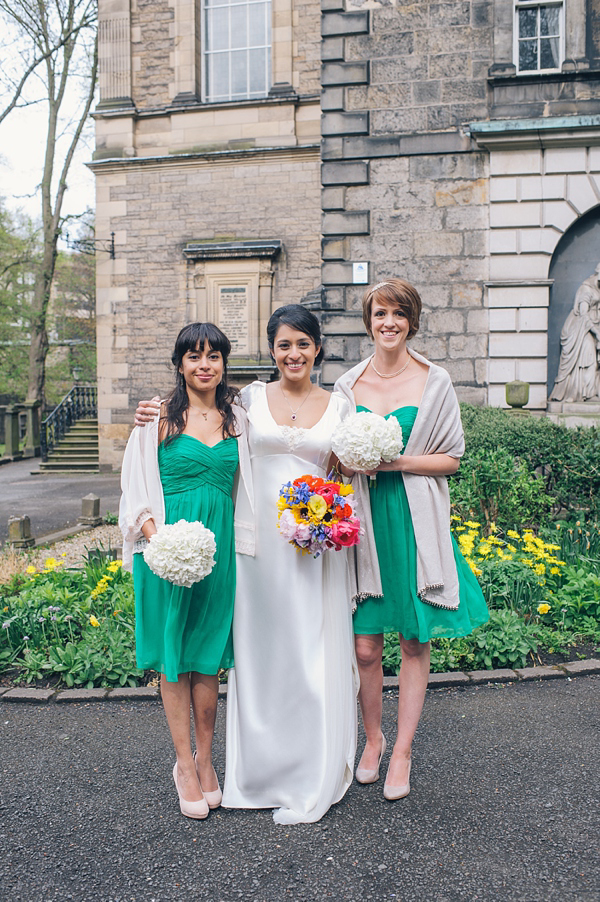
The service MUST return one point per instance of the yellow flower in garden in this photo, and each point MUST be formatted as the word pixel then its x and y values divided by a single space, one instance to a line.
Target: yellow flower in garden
pixel 114 566
pixel 64 554
pixel 317 506
pixel 484 548
pixel 50 563
pixel 455 518
pixel 511 548
pixel 539 569
pixel 543 608
pixel 512 534
pixel 474 567
pixel 493 527
pixel 31 569
pixel 5 610
pixel 472 525
pixel 94 621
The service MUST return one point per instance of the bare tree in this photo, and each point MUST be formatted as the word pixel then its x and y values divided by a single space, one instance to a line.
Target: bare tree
pixel 57 43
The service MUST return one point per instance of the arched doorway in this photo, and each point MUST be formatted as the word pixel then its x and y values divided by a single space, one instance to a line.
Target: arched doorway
pixel 576 256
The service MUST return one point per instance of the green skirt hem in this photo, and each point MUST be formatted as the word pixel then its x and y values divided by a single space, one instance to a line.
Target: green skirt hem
pixel 205 671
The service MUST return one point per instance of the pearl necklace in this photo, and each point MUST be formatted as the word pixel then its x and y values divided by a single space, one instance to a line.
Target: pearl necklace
pixel 390 375
pixel 294 413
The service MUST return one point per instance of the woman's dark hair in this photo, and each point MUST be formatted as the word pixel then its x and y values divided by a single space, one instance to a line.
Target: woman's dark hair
pixel 191 338
pixel 296 317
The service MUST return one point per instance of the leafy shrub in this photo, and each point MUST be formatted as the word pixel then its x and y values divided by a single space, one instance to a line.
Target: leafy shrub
pixel 495 487
pixel 504 641
pixel 568 459
pixel 76 625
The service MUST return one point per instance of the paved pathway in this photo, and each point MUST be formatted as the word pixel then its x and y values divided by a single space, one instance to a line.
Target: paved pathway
pixel 50 501
pixel 505 807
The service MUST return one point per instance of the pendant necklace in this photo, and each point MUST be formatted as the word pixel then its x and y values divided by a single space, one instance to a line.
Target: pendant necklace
pixel 390 375
pixel 294 413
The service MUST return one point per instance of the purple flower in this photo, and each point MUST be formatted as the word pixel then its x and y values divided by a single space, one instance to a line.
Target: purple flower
pixel 6 626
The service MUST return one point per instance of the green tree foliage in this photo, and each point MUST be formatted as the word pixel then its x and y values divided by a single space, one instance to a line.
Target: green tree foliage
pixel 19 256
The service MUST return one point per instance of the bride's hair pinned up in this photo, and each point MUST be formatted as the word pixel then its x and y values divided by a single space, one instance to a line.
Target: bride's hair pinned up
pixel 296 317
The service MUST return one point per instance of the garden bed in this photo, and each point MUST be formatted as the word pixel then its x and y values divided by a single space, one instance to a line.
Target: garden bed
pixel 525 516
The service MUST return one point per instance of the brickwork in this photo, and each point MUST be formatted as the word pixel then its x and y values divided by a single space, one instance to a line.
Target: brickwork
pixel 306 53
pixel 151 48
pixel 147 294
pixel 424 199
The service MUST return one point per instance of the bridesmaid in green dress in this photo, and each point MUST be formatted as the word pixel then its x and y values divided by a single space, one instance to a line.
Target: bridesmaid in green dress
pixel 183 467
pixel 420 587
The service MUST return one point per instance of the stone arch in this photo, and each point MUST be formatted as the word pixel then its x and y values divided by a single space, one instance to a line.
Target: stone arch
pixel 575 257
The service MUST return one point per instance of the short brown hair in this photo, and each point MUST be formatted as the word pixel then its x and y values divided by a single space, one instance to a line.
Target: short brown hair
pixel 401 294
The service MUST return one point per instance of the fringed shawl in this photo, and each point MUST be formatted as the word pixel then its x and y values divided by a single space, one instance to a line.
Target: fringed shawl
pixel 437 430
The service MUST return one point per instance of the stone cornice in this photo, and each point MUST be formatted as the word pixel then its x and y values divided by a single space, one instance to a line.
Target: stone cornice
pixel 559 131
pixel 224 250
pixel 186 160
pixel 126 107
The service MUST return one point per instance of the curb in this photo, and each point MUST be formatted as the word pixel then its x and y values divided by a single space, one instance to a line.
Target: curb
pixel 436 681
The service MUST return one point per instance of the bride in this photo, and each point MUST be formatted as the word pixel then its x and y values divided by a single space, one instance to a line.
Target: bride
pixel 291 696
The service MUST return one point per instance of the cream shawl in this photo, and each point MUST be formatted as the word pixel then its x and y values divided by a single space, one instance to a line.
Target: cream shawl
pixel 142 495
pixel 437 429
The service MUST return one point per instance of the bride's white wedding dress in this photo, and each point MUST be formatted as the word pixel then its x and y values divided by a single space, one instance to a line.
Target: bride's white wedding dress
pixel 291 697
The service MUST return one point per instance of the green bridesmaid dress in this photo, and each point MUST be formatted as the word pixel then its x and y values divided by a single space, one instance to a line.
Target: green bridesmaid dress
pixel 178 630
pixel 401 610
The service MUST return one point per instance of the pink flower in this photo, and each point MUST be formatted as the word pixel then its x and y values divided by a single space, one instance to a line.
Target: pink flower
pixel 302 533
pixel 346 532
pixel 287 525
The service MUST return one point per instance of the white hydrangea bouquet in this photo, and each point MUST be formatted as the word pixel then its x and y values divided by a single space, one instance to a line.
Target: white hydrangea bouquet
pixel 182 553
pixel 363 440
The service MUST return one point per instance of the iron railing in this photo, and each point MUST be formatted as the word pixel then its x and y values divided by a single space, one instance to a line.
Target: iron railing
pixel 80 404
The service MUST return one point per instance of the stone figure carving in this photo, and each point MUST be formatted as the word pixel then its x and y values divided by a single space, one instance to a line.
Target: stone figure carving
pixel 578 377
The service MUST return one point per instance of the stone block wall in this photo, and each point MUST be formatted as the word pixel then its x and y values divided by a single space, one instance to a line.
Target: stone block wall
pixel 404 187
pixel 147 293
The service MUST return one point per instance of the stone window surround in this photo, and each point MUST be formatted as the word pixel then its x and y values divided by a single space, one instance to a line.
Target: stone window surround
pixel 536 4
pixel 116 35
pixel 504 38
pixel 544 175
pixel 187 56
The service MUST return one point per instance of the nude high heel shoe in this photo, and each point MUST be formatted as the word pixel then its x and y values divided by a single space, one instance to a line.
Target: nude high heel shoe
pixel 391 793
pixel 214 797
pixel 371 776
pixel 197 810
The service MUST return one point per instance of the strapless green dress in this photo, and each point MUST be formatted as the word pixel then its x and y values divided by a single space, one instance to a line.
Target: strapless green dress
pixel 178 630
pixel 401 610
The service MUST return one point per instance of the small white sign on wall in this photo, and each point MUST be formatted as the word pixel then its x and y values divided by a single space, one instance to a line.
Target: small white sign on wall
pixel 360 273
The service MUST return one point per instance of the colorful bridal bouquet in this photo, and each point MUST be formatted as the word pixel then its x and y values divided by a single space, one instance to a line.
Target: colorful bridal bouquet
pixel 316 514
pixel 364 439
pixel 182 553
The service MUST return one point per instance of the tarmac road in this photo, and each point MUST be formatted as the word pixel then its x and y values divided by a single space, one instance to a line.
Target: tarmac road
pixel 50 501
pixel 505 807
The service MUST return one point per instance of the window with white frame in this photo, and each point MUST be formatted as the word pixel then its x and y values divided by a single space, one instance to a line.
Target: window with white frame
pixel 539 36
pixel 237 49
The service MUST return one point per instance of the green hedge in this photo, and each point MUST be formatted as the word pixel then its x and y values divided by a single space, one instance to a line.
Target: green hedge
pixel 524 470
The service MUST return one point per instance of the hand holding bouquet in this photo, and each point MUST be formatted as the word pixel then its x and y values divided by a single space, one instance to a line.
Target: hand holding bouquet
pixel 316 514
pixel 363 440
pixel 182 553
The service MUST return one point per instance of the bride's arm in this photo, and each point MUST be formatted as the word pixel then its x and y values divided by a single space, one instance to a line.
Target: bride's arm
pixel 422 465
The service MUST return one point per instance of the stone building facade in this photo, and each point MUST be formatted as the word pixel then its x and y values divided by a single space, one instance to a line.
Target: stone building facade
pixel 456 143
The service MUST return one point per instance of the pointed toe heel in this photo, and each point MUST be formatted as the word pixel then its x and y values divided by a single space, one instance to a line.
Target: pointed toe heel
pixel 196 810
pixel 392 793
pixel 371 776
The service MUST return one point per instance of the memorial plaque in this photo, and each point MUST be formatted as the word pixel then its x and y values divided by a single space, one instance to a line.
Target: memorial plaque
pixel 233 317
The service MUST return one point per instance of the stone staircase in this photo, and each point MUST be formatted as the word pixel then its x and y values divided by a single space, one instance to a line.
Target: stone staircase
pixel 77 451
